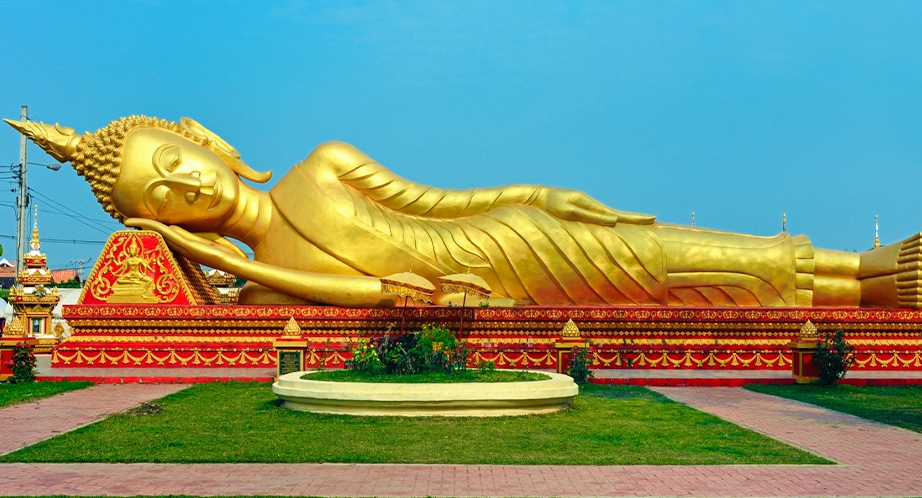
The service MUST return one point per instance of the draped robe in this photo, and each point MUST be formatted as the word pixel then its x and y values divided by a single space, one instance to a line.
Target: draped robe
pixel 377 223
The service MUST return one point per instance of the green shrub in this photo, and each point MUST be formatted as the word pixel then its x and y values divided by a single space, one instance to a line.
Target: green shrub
pixel 833 356
pixel 579 360
pixel 22 364
pixel 394 353
pixel 433 349
pixel 364 357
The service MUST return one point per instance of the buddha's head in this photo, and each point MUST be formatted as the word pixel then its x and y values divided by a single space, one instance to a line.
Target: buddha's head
pixel 142 167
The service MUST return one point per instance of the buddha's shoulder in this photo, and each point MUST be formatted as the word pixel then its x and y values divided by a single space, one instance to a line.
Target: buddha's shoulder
pixel 336 155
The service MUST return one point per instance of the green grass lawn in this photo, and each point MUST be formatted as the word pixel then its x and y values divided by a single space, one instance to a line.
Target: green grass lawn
pixel 428 378
pixel 895 405
pixel 242 422
pixel 11 394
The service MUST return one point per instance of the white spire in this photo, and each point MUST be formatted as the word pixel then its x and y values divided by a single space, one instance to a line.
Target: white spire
pixel 876 234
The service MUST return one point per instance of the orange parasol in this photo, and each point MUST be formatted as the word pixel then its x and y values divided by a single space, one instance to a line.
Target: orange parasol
pixel 467 283
pixel 409 285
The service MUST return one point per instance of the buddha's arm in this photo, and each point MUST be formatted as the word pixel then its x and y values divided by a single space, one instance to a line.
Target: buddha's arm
pixel 339 290
pixel 356 170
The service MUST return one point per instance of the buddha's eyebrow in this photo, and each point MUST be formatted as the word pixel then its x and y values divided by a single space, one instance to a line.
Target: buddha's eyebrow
pixel 157 159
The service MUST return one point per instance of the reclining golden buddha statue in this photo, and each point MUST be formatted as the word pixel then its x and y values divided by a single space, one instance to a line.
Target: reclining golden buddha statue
pixel 339 221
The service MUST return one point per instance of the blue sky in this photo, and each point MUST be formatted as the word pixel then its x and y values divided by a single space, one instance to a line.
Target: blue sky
pixel 738 111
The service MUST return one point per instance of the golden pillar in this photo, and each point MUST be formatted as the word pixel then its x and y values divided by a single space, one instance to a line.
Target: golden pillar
pixel 803 367
pixel 290 349
pixel 570 338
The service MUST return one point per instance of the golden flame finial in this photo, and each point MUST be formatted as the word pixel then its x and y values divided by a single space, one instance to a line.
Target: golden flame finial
pixel 60 142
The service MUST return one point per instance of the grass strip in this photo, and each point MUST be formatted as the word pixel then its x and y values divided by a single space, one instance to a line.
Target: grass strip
pixel 12 394
pixel 894 405
pixel 242 422
pixel 466 376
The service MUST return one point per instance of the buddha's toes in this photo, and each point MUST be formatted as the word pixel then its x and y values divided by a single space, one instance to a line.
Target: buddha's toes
pixel 909 272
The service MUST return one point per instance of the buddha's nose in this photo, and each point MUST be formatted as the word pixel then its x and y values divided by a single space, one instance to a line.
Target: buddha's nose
pixel 190 185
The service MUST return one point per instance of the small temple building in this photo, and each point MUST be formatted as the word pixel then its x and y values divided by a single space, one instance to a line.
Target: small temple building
pixel 33 298
pixel 224 284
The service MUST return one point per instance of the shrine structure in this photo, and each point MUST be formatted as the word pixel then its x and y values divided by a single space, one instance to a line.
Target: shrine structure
pixel 33 299
pixel 329 238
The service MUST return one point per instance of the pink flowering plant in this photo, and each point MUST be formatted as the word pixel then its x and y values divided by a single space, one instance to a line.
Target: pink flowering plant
pixel 22 364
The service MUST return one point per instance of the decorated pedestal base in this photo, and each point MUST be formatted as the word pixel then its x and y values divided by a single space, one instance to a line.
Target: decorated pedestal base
pixel 148 308
pixel 151 336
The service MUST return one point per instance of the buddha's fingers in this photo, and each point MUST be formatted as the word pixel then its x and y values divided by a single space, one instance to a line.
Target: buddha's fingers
pixel 587 216
pixel 188 244
pixel 635 218
pixel 583 200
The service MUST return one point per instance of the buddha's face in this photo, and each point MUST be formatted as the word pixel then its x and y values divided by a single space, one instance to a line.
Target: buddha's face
pixel 168 178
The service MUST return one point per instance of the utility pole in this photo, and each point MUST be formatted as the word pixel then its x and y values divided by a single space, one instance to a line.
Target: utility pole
pixel 79 265
pixel 22 203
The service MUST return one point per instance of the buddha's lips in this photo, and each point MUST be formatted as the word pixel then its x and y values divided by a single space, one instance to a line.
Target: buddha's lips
pixel 216 194
pixel 214 191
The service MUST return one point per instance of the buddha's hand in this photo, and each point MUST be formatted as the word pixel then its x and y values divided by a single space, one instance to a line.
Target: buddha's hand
pixel 206 251
pixel 574 205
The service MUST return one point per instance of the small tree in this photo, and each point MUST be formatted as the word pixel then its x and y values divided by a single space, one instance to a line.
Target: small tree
pixel 22 364
pixel 833 356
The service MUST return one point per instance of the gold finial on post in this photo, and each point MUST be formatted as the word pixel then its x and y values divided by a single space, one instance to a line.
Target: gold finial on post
pixel 570 329
pixel 876 235
pixel 808 331
pixel 292 329
pixel 15 328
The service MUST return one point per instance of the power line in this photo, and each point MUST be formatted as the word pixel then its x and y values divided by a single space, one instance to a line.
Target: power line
pixel 62 241
pixel 95 224
pixel 64 206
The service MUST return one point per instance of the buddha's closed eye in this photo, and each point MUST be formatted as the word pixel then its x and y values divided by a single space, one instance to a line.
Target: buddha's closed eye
pixel 166 159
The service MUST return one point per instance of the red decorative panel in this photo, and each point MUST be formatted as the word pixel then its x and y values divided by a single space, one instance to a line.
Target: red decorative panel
pixel 127 335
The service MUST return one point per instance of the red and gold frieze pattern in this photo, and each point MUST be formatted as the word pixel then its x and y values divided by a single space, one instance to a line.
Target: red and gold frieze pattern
pixel 527 314
pixel 120 358
pixel 888 360
pixel 739 338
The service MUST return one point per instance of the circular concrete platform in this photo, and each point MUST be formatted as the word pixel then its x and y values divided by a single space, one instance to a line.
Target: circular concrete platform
pixel 480 399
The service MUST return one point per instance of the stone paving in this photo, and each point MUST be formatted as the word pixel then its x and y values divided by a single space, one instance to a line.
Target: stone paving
pixel 873 460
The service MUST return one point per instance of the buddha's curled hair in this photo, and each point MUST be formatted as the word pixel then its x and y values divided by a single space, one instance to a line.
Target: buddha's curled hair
pixel 98 156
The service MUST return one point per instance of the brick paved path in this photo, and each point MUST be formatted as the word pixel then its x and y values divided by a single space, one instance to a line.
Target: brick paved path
pixel 29 423
pixel 875 460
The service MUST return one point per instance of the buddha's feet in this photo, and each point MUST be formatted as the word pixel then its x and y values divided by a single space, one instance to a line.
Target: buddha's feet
pixel 909 273
pixel 891 276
